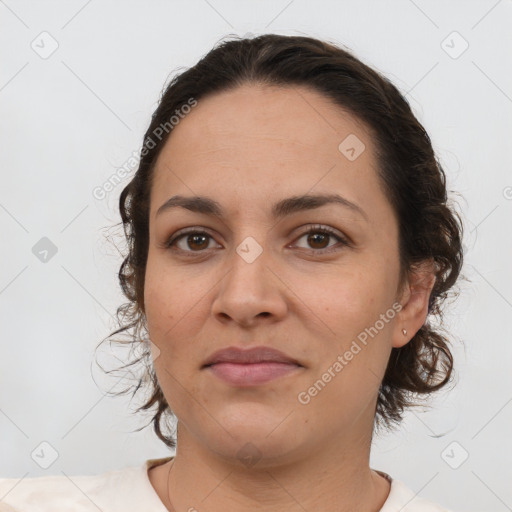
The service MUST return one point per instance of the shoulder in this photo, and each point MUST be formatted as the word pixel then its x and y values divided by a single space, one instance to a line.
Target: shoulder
pixel 58 493
pixel 403 499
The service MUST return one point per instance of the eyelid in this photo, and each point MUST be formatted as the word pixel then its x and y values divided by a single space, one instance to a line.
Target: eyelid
pixel 344 240
pixel 313 228
pixel 186 231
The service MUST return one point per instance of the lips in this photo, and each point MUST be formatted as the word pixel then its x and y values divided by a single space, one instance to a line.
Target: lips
pixel 249 356
pixel 244 368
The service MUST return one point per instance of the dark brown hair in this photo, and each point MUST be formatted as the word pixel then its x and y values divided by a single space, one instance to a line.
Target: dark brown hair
pixel 429 228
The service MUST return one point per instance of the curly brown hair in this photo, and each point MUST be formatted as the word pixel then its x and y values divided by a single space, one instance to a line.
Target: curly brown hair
pixel 429 228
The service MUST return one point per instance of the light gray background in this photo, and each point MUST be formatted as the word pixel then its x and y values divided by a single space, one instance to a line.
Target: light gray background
pixel 71 119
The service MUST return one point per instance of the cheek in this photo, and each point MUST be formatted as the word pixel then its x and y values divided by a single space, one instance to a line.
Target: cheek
pixel 176 305
pixel 164 302
pixel 168 295
pixel 357 340
pixel 346 299
pixel 170 308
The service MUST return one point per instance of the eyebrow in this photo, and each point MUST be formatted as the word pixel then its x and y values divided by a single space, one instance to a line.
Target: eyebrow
pixel 282 208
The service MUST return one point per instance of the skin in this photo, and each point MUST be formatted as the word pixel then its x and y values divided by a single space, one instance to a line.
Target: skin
pixel 247 149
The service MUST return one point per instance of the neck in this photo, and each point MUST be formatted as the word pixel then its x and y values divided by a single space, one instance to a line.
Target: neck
pixel 334 478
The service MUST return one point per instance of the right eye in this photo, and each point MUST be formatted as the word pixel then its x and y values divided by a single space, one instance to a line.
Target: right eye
pixel 191 241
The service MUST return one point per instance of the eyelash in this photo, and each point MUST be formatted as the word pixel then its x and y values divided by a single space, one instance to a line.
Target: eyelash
pixel 324 230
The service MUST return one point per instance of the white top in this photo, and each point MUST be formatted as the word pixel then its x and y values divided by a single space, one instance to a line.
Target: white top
pixel 129 490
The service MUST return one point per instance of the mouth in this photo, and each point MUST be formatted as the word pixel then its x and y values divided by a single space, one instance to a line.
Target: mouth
pixel 251 374
pixel 249 356
pixel 250 367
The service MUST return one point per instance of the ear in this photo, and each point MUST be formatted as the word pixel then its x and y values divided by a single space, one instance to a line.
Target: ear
pixel 414 299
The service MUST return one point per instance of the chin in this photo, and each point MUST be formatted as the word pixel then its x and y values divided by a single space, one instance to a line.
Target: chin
pixel 255 438
pixel 256 452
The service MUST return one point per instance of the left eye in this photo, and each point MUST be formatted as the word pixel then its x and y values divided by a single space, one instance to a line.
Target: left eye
pixel 316 237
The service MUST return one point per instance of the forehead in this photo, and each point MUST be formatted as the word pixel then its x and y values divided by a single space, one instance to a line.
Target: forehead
pixel 258 142
pixel 258 114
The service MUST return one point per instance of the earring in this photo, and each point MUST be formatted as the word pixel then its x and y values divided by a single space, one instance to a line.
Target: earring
pixel 404 332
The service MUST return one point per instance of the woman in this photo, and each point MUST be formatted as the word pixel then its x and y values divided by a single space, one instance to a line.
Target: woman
pixel 289 239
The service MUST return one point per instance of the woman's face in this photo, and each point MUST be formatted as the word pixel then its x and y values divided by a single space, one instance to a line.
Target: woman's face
pixel 253 276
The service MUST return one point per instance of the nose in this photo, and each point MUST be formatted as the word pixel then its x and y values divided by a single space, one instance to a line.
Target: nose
pixel 250 292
